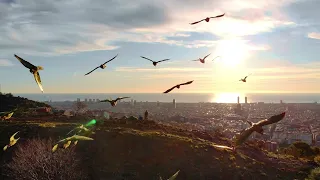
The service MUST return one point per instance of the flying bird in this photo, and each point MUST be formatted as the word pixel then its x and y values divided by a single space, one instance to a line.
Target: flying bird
pixel 6 115
pixel 173 177
pixel 102 66
pixel 202 60
pixel 67 144
pixel 12 142
pixel 80 129
pixel 33 69
pixel 177 86
pixel 215 58
pixel 207 19
pixel 71 138
pixel 155 62
pixel 114 102
pixel 257 127
pixel 244 79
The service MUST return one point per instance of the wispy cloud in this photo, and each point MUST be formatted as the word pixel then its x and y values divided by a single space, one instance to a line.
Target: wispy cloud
pixel 5 62
pixel 314 35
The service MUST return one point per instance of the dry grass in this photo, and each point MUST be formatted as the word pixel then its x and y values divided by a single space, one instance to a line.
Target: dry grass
pixel 34 160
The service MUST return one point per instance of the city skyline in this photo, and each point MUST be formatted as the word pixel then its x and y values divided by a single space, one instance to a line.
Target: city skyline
pixel 275 41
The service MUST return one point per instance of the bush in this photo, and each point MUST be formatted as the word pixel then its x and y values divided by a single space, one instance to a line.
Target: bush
pixel 314 174
pixel 35 160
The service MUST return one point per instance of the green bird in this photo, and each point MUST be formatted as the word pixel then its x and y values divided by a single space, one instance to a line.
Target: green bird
pixel 257 127
pixel 33 69
pixel 71 138
pixel 173 177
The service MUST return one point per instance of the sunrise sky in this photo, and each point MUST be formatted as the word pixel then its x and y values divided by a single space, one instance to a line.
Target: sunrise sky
pixel 277 41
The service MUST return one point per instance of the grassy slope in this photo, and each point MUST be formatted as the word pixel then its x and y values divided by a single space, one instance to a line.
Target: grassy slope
pixel 144 150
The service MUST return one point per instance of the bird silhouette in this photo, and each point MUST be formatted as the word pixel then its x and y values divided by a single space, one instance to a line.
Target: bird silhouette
pixel 257 127
pixel 102 66
pixel 244 79
pixel 155 62
pixel 207 19
pixel 202 60
pixel 12 142
pixel 114 102
pixel 178 86
pixel 33 69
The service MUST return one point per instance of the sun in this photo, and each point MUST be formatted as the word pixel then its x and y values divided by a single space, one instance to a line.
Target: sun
pixel 232 52
pixel 227 97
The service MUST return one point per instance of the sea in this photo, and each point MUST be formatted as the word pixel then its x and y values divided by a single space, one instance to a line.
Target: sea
pixel 183 97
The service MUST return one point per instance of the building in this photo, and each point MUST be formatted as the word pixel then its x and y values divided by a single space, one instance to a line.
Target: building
pixel 246 100
pixel 174 103
pixel 238 99
pixel 85 100
pixel 90 100
pixel 158 103
pixel 281 102
pixel 78 99
pixel 97 100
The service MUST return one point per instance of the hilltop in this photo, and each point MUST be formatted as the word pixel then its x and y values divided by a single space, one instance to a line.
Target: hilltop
pixel 131 149
pixel 10 102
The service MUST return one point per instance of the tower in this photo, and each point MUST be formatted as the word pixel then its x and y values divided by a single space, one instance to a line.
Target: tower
pixel 238 99
pixel 158 104
pixel 174 103
pixel 246 100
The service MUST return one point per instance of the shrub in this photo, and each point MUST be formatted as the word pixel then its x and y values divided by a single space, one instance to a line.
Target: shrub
pixel 34 160
pixel 314 174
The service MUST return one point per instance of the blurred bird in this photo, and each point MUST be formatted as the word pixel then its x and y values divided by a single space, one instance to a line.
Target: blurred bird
pixel 72 138
pixel 244 79
pixel 202 60
pixel 155 62
pixel 33 69
pixel 177 86
pixel 257 127
pixel 66 145
pixel 80 128
pixel 6 115
pixel 114 102
pixel 215 58
pixel 102 66
pixel 173 177
pixel 208 19
pixel 12 142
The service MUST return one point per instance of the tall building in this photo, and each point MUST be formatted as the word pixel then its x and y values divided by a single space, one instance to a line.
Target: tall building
pixel 238 100
pixel 78 99
pixel 90 100
pixel 174 103
pixel 281 102
pixel 85 100
pixel 158 103
pixel 246 100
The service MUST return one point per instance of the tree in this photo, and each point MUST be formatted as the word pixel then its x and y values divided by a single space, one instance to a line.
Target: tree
pixel 78 106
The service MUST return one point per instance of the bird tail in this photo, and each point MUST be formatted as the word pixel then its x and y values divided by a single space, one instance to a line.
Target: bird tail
pixel 40 67
pixel 5 148
pixel 54 148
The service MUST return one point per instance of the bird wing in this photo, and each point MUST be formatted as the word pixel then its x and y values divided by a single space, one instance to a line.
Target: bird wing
pixel 110 60
pixel 12 137
pixel 147 58
pixel 173 177
pixel 218 16
pixel 215 58
pixel 163 60
pixel 243 136
pixel 38 80
pixel 84 138
pixel 195 60
pixel 92 70
pixel 25 63
pixel 196 22
pixel 170 89
pixel 206 56
pixel 65 139
pixel 119 98
pixel 106 100
pixel 189 82
pixel 272 119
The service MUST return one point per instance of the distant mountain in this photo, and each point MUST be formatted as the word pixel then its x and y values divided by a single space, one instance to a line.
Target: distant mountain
pixel 8 102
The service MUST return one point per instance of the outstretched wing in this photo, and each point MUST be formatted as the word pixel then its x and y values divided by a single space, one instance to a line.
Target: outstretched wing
pixel 215 58
pixel 25 63
pixel 38 80
pixel 170 89
pixel 147 58
pixel 92 70
pixel 119 98
pixel 173 177
pixel 189 82
pixel 196 22
pixel 106 100
pixel 218 16
pixel 272 119
pixel 206 56
pixel 63 140
pixel 83 138
pixel 12 137
pixel 243 136
pixel 163 60
pixel 110 60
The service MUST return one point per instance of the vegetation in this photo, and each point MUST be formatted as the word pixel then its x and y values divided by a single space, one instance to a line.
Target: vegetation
pixel 301 150
pixel 314 174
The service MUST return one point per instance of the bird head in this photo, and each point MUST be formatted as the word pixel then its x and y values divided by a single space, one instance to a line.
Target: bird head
pixel 154 63
pixel 207 19
pixel 103 66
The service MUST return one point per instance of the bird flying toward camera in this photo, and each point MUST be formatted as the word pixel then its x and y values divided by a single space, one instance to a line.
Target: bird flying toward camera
pixel 6 115
pixel 33 69
pixel 79 128
pixel 114 102
pixel 71 138
pixel 207 19
pixel 155 62
pixel 12 142
pixel 178 86
pixel 202 60
pixel 102 66
pixel 173 177
pixel 257 127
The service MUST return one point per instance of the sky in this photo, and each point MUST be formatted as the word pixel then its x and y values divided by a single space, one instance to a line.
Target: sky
pixel 275 42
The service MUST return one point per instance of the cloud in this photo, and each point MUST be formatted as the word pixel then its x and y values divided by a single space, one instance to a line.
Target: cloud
pixel 5 62
pixel 55 27
pixel 314 35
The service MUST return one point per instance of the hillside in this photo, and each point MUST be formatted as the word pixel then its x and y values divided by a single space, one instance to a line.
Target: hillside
pixel 9 102
pixel 125 149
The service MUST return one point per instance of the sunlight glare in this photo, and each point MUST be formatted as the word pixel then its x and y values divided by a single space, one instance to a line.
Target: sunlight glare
pixel 228 97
